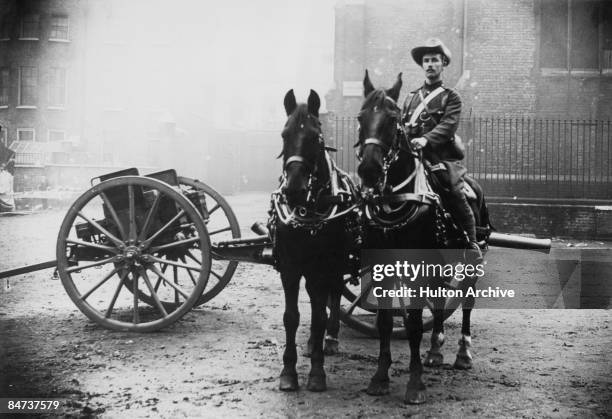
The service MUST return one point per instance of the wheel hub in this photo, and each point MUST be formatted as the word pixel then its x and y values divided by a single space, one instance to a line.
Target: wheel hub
pixel 132 255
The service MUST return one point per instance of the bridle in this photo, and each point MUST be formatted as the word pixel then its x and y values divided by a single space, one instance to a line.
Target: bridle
pixel 379 202
pixel 307 217
pixel 390 152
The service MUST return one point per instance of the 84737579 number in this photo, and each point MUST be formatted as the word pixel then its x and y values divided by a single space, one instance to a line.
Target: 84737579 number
pixel 30 405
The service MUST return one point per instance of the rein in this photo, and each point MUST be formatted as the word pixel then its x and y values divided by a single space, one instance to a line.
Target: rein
pixel 378 206
pixel 340 194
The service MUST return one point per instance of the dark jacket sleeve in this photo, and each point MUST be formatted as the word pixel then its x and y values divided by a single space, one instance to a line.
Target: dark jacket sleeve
pixel 445 130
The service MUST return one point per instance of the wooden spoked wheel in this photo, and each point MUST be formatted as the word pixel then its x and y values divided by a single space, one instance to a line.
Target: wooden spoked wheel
pixel 357 315
pixel 117 245
pixel 222 225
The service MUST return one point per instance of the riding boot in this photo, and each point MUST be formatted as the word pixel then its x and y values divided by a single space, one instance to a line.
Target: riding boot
pixel 462 213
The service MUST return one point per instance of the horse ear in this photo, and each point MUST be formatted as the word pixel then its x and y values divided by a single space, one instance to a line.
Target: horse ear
pixel 368 87
pixel 289 102
pixel 314 103
pixel 394 92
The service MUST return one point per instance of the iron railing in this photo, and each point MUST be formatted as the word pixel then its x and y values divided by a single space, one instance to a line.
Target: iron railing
pixel 520 157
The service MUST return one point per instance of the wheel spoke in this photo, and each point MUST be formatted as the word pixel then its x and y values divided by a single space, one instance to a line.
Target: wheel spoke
pixel 174 244
pixel 358 297
pixel 175 274
pixel 221 230
pixel 159 280
pixel 95 287
pixel 135 276
pixel 91 265
pixel 148 241
pixel 113 214
pixel 112 303
pixel 147 223
pixel 101 229
pixel 175 264
pixel 167 281
pixel 93 245
pixel 132 212
pixel 188 271
pixel 192 257
pixel 215 208
pixel 216 274
pixel 158 303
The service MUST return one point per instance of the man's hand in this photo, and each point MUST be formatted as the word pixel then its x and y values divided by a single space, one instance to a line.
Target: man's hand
pixel 418 143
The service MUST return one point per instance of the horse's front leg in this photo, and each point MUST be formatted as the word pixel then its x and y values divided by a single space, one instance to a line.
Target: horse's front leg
pixel 464 356
pixel 333 321
pixel 415 390
pixel 291 321
pixel 434 357
pixel 318 290
pixel 332 328
pixel 379 383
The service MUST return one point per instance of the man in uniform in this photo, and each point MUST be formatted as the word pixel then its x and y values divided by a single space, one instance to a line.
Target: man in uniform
pixel 431 115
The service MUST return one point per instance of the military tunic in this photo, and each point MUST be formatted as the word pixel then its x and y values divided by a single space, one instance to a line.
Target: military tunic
pixel 437 123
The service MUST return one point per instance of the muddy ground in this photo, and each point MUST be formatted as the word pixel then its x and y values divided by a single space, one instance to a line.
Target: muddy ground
pixel 223 359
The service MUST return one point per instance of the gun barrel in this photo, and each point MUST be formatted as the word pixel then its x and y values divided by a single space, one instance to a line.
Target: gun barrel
pixel 519 242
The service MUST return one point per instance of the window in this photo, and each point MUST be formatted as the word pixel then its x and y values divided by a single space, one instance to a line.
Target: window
pixel 57 87
pixel 29 27
pixel 59 28
pixel 5 29
pixel 56 135
pixel 576 35
pixel 4 86
pixel 27 86
pixel 26 134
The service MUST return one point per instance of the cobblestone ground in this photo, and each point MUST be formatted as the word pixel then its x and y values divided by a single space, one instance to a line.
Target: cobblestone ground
pixel 223 359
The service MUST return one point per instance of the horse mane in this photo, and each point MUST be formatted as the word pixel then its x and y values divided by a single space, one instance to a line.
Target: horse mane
pixel 378 98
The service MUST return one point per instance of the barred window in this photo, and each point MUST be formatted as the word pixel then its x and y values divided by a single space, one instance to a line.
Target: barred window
pixel 29 27
pixel 57 86
pixel 59 27
pixel 28 85
pixel 576 35
pixel 26 134
pixel 4 86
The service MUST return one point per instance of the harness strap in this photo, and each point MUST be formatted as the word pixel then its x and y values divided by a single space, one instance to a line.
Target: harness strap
pixel 296 159
pixel 436 167
pixel 405 197
pixel 377 142
pixel 424 102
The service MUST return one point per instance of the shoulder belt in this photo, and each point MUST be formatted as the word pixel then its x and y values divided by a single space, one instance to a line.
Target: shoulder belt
pixel 424 102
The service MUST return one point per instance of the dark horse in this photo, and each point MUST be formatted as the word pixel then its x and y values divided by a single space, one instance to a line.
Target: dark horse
pixel 311 217
pixel 404 213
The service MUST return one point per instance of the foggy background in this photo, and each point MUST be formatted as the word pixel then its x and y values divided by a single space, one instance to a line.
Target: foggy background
pixel 192 82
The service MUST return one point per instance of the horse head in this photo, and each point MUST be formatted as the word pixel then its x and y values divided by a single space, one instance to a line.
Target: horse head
pixel 303 147
pixel 379 132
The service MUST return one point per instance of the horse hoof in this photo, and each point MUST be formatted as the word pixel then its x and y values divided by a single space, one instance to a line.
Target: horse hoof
pixel 289 382
pixel 316 383
pixel 463 362
pixel 378 388
pixel 415 395
pixel 433 359
pixel 331 347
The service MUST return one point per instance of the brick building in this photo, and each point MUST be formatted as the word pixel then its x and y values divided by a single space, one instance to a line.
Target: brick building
pixel 40 76
pixel 538 58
